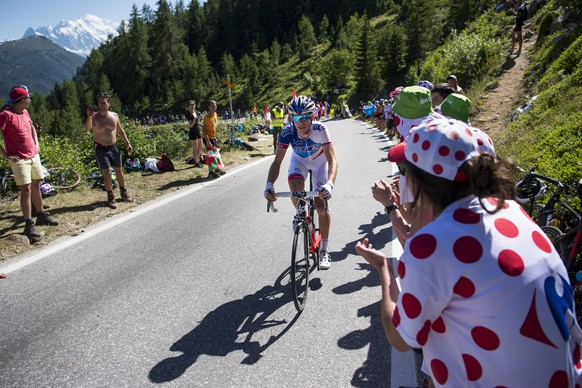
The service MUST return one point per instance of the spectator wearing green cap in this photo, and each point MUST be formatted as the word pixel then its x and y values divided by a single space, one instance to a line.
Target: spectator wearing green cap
pixel 412 106
pixel 456 106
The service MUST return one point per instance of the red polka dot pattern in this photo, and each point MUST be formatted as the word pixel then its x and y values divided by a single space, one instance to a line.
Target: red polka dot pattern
pixel 510 262
pixel 411 305
pixel 422 335
pixel 541 241
pixel 466 216
pixel 440 147
pixel 401 269
pixel 439 325
pixel 439 371
pixel 460 155
pixel 473 367
pixel 485 338
pixel 468 249
pixel 464 287
pixel 396 317
pixel 559 380
pixel 506 227
pixel 423 246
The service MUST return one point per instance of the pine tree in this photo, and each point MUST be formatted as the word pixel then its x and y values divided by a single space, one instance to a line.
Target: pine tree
pixel 366 71
pixel 306 37
pixel 168 57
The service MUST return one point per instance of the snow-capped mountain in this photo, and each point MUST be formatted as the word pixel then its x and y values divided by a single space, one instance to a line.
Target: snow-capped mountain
pixel 79 36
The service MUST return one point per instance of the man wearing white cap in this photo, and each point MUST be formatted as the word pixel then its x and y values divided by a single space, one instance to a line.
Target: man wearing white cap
pixel 21 149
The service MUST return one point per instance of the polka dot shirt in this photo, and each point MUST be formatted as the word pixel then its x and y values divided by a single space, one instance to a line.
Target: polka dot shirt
pixel 488 299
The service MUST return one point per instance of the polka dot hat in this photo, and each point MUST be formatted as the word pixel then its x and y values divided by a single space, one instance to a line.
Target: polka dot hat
pixel 441 146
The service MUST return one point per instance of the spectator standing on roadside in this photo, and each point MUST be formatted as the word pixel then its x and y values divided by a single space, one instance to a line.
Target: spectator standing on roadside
pixel 482 290
pixel 268 118
pixel 105 126
pixel 412 105
pixel 209 125
pixel 278 117
pixel 453 83
pixel 195 134
pixel 21 148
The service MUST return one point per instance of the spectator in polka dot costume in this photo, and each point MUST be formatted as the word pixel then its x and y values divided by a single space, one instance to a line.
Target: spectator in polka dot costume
pixel 483 291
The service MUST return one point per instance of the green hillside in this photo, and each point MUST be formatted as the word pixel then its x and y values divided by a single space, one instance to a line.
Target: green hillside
pixel 36 62
pixel 340 50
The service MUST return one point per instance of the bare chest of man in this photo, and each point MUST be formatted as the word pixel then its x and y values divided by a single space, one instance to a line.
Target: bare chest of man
pixel 104 130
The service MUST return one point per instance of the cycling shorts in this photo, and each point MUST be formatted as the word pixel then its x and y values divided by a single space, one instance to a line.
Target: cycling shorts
pixel 299 167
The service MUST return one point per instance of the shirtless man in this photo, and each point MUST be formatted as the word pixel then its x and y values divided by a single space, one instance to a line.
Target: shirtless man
pixel 105 126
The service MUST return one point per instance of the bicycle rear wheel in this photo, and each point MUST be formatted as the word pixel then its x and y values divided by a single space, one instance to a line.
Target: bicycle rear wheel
pixel 554 235
pixel 63 178
pixel 300 267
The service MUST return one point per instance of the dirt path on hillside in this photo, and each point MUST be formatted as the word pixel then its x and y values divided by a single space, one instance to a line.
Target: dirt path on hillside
pixel 499 103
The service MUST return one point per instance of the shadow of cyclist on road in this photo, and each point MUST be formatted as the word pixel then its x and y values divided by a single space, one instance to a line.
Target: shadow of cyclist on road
pixel 231 327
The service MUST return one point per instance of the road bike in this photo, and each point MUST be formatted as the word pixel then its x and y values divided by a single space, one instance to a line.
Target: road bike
pixel 306 240
pixel 567 239
pixel 555 211
pixel 9 189
pixel 63 178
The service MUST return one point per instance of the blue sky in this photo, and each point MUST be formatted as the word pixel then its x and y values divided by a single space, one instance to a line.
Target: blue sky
pixel 17 16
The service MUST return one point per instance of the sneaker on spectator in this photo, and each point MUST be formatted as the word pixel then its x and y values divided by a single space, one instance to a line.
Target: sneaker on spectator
pixel 324 260
pixel 44 218
pixel 30 230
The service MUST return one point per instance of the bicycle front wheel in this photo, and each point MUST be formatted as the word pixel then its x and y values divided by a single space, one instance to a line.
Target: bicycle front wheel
pixel 300 267
pixel 554 235
pixel 63 178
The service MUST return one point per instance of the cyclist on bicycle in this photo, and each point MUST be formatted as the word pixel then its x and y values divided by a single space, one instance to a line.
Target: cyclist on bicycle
pixel 312 150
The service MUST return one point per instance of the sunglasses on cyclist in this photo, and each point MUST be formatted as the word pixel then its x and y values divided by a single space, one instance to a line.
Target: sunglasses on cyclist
pixel 299 118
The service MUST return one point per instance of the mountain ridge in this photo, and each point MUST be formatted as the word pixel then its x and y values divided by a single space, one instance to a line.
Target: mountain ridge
pixel 37 62
pixel 79 36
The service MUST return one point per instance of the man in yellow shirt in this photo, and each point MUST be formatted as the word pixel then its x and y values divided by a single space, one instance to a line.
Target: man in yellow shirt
pixel 277 122
pixel 209 124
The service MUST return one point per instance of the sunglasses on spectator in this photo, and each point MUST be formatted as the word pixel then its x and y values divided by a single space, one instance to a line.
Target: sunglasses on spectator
pixel 300 118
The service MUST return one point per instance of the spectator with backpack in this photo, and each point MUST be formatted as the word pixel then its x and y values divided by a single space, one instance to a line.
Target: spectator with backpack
pixel 516 34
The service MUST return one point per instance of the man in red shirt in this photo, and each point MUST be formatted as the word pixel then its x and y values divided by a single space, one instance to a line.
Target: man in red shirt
pixel 21 149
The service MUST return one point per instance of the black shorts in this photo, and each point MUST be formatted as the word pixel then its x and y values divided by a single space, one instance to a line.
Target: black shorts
pixel 108 156
pixel 213 141
pixel 195 133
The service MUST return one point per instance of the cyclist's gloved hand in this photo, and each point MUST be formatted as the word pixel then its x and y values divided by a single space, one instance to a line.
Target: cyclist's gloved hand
pixel 270 192
pixel 325 190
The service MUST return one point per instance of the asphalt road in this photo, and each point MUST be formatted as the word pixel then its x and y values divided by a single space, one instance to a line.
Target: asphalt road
pixel 192 290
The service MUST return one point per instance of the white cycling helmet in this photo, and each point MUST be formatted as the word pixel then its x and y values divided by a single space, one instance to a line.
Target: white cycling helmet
pixel 301 105
pixel 530 192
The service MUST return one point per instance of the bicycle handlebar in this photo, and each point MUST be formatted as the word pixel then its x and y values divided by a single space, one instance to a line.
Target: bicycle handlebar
pixel 531 175
pixel 298 194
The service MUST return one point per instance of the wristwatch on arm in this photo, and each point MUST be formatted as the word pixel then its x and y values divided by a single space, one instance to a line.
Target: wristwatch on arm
pixel 389 208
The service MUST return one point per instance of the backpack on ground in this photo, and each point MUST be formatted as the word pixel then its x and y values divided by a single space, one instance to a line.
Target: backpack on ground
pixel 165 163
